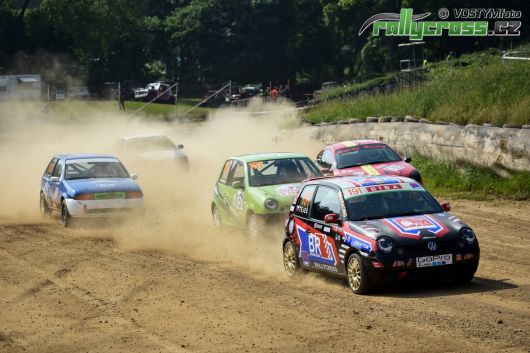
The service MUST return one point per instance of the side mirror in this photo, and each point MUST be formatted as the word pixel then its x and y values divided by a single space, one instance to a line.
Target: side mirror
pixel 180 146
pixel 331 218
pixel 134 176
pixel 325 170
pixel 237 185
pixel 407 159
pixel 54 179
pixel 446 206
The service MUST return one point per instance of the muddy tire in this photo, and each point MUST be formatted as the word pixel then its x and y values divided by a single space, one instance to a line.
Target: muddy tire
pixel 65 215
pixel 291 263
pixel 357 277
pixel 45 211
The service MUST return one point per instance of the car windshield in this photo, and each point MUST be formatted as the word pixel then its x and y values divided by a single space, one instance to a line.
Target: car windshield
pixel 93 169
pixel 365 154
pixel 281 171
pixel 391 204
pixel 154 143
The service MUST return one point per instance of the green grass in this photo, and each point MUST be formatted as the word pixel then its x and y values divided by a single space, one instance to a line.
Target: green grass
pixel 355 87
pixel 476 88
pixel 467 181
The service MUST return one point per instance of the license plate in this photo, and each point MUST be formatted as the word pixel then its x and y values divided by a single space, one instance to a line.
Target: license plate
pixel 109 195
pixel 434 260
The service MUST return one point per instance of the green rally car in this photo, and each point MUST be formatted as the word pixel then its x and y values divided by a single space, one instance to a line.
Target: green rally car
pixel 255 189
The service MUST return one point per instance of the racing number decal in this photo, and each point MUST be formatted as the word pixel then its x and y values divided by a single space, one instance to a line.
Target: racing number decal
pixel 238 199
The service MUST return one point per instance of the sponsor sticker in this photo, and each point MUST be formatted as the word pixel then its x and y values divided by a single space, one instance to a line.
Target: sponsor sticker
pixel 289 190
pixel 109 195
pixel 435 260
pixel 356 242
pixel 393 168
pixel 386 187
pixel 411 226
pixel 316 247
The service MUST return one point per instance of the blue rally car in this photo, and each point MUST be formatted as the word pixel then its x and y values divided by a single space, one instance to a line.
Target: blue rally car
pixel 89 185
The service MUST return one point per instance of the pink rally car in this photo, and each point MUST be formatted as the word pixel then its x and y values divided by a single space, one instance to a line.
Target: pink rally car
pixel 363 158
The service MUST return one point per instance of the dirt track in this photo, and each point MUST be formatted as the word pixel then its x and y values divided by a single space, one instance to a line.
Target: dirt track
pixel 86 290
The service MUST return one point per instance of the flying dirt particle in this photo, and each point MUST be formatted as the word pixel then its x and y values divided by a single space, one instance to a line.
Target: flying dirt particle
pixel 500 322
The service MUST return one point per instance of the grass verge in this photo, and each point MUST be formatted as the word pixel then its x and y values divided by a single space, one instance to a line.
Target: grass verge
pixel 467 181
pixel 477 88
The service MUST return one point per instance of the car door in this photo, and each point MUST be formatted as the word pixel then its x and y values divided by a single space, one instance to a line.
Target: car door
pixel 46 183
pixel 324 241
pixel 234 191
pixel 55 192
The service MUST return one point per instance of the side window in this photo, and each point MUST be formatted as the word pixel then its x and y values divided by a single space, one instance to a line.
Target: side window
pixel 224 173
pixel 303 204
pixel 49 169
pixel 327 159
pixel 237 173
pixel 326 201
pixel 58 170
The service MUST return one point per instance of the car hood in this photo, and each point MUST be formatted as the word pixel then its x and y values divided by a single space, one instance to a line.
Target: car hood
pixel 400 168
pixel 161 155
pixel 284 193
pixel 411 229
pixel 103 185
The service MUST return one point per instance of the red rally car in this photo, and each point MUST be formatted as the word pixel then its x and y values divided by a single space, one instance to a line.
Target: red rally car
pixel 364 158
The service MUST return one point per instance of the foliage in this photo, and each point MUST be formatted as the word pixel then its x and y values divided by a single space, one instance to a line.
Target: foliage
pixel 474 89
pixel 465 180
pixel 213 41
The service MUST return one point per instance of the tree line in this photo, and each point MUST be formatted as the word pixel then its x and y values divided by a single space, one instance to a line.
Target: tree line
pixel 212 41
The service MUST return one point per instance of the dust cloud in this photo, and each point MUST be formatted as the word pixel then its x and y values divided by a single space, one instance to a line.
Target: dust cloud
pixel 178 217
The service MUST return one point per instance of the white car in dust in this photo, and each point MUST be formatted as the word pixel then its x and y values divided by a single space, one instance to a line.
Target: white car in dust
pixel 153 148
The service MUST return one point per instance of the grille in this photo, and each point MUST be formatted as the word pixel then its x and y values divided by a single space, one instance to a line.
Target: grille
pixel 421 248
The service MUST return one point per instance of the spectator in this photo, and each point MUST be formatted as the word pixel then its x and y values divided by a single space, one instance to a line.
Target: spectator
pixel 274 94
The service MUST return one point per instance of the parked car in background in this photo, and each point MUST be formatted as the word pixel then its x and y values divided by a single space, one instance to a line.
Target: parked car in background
pixel 253 190
pixel 372 230
pixel 363 158
pixel 88 186
pixel 152 90
pixel 153 148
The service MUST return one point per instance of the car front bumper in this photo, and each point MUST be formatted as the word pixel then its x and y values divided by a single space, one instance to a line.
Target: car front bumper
pixel 104 208
pixel 403 269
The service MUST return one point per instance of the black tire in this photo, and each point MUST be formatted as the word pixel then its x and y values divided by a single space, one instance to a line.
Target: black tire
pixel 291 263
pixel 357 277
pixel 216 216
pixel 45 211
pixel 65 215
pixel 255 225
pixel 464 277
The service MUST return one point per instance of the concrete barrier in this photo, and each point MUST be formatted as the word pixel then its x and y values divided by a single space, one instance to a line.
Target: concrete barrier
pixel 495 147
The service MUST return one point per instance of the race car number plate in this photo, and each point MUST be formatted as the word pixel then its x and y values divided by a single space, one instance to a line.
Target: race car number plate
pixel 434 260
pixel 109 195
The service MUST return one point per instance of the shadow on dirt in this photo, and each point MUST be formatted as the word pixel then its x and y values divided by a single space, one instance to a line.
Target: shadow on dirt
pixel 431 288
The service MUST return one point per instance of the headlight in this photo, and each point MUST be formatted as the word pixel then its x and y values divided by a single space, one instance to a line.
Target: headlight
pixel 468 236
pixel 271 204
pixel 385 244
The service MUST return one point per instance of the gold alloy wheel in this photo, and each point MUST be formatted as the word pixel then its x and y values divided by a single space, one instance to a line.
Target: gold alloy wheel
pixel 354 273
pixel 289 260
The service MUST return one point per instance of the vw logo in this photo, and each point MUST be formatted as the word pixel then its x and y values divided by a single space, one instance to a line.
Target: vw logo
pixel 431 245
